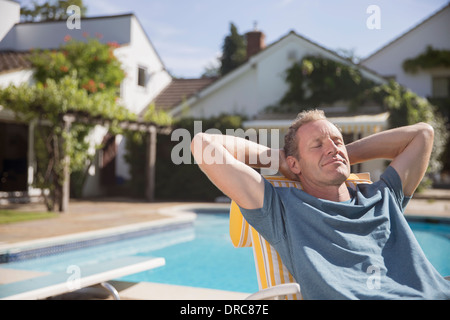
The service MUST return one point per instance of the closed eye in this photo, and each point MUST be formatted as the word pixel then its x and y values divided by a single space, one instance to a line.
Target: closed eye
pixel 338 141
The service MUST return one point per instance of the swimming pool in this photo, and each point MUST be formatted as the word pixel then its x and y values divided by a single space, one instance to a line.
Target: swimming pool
pixel 199 256
pixel 203 256
pixel 433 236
pixel 209 260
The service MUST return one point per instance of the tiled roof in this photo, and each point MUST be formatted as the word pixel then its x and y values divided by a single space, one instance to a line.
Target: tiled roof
pixel 179 90
pixel 12 61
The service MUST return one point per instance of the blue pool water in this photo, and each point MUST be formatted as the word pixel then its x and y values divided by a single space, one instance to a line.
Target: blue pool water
pixel 203 256
pixel 434 238
pixel 209 260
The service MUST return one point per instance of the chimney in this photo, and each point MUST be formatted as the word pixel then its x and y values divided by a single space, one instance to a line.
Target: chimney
pixel 255 41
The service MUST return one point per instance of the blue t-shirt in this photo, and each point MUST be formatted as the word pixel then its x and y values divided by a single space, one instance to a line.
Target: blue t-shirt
pixel 359 249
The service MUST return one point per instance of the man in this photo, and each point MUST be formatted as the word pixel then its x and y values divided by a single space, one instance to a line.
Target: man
pixel 332 239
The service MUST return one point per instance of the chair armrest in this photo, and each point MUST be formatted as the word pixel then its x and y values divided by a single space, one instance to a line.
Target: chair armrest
pixel 275 291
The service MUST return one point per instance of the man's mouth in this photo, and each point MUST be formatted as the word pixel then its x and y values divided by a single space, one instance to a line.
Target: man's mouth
pixel 334 160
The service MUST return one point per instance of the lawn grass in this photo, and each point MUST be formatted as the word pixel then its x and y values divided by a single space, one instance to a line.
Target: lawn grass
pixel 11 216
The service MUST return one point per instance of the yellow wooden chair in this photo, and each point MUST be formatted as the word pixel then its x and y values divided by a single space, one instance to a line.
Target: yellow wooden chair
pixel 274 280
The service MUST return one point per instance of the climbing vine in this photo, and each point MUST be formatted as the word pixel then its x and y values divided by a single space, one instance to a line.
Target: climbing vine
pixel 431 58
pixel 317 81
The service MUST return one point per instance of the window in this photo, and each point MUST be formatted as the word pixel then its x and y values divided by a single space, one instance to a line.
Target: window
pixel 142 76
pixel 441 87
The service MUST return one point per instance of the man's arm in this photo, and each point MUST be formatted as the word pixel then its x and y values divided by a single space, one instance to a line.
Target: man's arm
pixel 229 161
pixel 409 148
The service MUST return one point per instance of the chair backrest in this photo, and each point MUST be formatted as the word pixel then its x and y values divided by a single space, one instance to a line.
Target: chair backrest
pixel 270 269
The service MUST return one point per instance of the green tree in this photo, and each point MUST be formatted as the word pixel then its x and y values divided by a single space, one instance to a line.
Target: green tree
pixel 50 10
pixel 233 51
pixel 67 80
pixel 96 67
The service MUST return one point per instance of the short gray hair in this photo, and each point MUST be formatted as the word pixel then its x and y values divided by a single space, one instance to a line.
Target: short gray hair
pixel 290 139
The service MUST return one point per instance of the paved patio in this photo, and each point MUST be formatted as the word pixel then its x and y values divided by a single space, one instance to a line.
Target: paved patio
pixel 83 215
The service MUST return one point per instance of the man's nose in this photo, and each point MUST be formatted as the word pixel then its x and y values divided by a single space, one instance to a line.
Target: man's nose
pixel 331 147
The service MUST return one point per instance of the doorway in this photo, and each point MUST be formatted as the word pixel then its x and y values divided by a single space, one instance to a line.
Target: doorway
pixel 13 157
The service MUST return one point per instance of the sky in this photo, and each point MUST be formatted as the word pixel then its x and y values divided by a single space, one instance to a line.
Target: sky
pixel 188 34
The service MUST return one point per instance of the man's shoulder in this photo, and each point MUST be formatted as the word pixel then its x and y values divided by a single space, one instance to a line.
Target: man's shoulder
pixel 389 181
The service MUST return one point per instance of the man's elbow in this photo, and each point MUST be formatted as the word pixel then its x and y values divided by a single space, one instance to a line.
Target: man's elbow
pixel 426 131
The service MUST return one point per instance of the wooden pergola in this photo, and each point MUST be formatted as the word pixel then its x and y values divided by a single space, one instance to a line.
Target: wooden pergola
pixel 150 128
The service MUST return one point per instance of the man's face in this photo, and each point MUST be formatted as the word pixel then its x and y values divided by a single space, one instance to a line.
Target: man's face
pixel 323 157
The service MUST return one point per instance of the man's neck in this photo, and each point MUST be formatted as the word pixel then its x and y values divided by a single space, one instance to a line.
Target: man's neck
pixel 333 193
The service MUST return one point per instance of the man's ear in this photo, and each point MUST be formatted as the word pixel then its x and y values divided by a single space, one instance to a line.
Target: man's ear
pixel 293 165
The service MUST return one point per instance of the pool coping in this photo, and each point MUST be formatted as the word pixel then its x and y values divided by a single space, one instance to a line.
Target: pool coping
pixel 427 218
pixel 178 216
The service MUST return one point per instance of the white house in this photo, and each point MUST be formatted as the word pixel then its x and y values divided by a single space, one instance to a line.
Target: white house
pixel 146 77
pixel 260 82
pixel 388 61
